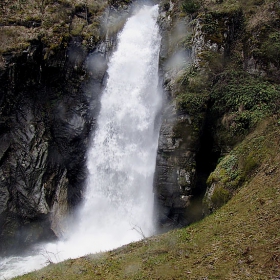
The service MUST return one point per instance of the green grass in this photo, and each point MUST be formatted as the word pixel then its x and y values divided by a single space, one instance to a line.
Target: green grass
pixel 241 240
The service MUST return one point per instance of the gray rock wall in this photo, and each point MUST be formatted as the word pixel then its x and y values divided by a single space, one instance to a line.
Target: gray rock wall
pixel 187 152
pixel 49 101
pixel 175 174
pixel 48 109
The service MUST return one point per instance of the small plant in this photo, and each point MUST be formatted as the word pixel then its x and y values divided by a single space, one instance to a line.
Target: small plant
pixel 270 49
pixel 191 6
pixel 50 256
pixel 243 100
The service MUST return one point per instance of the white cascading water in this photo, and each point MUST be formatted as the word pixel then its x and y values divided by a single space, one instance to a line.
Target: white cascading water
pixel 118 206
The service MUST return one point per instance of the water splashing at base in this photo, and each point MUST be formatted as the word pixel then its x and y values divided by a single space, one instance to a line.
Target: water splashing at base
pixel 118 205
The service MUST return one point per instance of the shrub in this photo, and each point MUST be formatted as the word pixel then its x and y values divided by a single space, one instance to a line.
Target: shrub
pixel 270 49
pixel 191 6
pixel 245 98
pixel 193 103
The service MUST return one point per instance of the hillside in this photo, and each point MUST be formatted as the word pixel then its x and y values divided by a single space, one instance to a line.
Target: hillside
pixel 239 241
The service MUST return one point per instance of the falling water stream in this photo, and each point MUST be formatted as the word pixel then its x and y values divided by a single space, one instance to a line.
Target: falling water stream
pixel 118 205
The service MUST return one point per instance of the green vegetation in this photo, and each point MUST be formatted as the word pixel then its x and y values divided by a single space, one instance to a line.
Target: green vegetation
pixel 193 102
pixel 219 197
pixel 191 94
pixel 227 173
pixel 241 165
pixel 243 100
pixel 50 21
pixel 270 48
pixel 191 6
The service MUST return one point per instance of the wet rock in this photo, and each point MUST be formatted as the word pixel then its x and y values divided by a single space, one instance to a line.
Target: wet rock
pixel 175 169
pixel 48 109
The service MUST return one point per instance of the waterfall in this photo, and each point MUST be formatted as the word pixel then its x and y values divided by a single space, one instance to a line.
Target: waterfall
pixel 118 203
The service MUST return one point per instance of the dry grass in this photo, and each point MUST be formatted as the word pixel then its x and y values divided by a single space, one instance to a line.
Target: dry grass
pixel 25 20
pixel 262 15
pixel 257 12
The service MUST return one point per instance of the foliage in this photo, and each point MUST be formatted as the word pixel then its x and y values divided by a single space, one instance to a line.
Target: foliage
pixel 192 98
pixel 243 100
pixel 191 6
pixel 270 49
pixel 210 25
pixel 193 103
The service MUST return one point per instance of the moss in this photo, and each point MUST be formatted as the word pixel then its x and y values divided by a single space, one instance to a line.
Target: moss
pixel 50 18
pixel 220 197
pixel 239 166
pixel 250 164
pixel 227 174
pixel 77 26
pixel 213 60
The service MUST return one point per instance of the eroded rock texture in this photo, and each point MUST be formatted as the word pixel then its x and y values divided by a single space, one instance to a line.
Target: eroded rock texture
pixel 176 166
pixel 191 53
pixel 175 171
pixel 48 108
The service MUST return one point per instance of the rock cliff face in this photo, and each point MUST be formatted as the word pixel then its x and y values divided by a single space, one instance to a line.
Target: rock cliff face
pixel 49 100
pixel 48 108
pixel 175 180
pixel 216 59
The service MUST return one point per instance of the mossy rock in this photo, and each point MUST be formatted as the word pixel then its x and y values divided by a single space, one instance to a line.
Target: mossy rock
pixel 238 167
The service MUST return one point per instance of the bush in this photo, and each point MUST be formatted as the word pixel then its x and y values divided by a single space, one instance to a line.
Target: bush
pixel 193 103
pixel 191 6
pixel 245 99
pixel 271 48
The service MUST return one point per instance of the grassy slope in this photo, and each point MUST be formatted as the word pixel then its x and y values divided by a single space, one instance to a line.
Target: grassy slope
pixel 239 241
